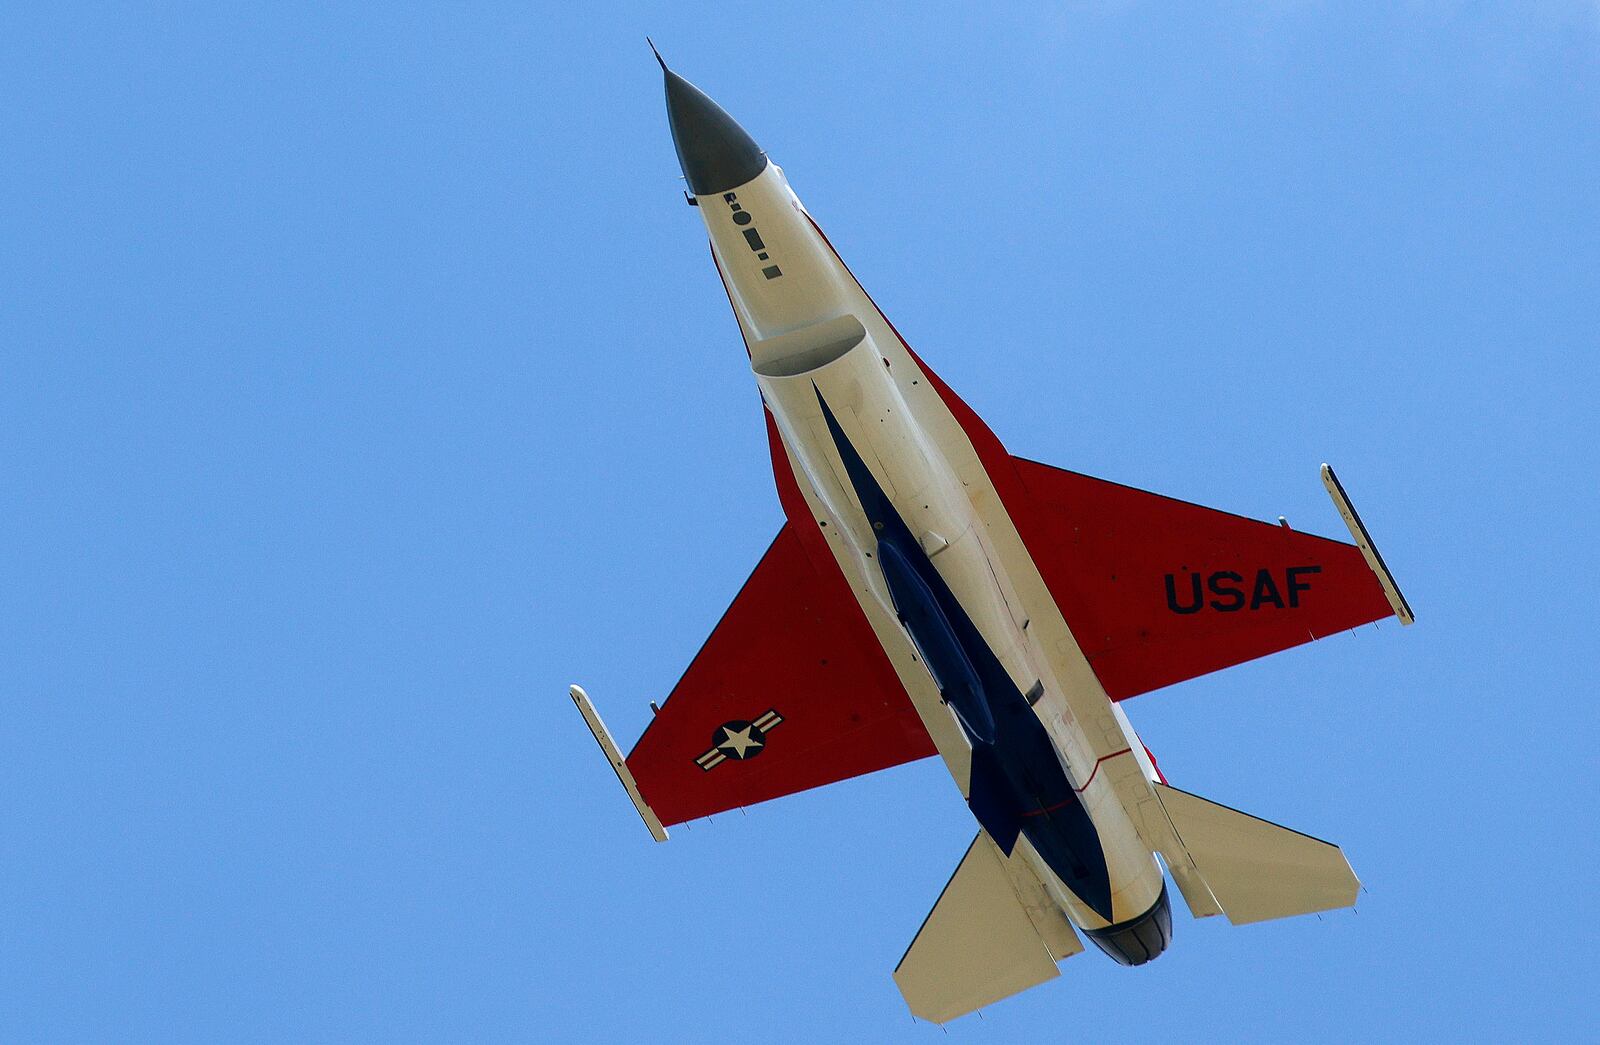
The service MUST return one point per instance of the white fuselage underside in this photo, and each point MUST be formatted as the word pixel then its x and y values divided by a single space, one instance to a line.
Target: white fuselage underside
pixel 799 310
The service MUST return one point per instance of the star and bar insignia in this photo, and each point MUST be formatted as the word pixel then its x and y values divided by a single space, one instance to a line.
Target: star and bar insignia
pixel 738 740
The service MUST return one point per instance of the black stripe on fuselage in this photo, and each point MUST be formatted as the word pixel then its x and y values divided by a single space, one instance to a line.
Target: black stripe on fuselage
pixel 1027 789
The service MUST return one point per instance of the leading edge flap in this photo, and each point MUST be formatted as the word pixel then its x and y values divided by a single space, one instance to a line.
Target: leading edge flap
pixel 790 692
pixel 1158 590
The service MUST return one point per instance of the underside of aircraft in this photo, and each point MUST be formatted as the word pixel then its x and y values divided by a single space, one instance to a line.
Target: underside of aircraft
pixel 932 594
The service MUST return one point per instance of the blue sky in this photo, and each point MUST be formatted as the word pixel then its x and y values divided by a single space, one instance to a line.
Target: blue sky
pixel 366 381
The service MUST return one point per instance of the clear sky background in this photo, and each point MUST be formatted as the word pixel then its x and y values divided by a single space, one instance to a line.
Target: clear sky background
pixel 366 381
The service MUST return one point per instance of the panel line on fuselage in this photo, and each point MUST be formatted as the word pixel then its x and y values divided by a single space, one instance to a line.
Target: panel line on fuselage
pixel 1035 794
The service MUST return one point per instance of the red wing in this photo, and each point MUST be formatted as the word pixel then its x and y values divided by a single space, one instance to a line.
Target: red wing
pixel 1158 590
pixel 790 692
pixel 1105 552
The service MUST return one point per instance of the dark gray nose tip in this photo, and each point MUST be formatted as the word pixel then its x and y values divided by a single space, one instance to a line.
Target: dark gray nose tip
pixel 714 151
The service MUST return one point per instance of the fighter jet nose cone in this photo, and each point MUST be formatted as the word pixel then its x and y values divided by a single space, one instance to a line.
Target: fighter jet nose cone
pixel 714 151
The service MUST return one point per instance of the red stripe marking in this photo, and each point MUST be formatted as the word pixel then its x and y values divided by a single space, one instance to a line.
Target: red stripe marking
pixel 1155 765
pixel 1085 787
pixel 1049 809
pixel 1096 769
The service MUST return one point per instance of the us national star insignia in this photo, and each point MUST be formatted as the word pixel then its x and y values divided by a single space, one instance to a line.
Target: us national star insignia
pixel 738 740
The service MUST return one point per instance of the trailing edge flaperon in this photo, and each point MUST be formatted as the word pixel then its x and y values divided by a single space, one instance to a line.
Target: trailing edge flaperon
pixel 932 594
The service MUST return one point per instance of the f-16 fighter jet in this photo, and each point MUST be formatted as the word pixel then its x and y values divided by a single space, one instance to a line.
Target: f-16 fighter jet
pixel 931 594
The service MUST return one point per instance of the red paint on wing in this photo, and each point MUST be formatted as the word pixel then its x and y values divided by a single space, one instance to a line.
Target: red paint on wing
pixel 1158 590
pixel 1105 550
pixel 794 641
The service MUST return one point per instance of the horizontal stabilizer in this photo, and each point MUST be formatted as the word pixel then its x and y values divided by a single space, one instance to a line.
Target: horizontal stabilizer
pixel 993 933
pixel 1255 869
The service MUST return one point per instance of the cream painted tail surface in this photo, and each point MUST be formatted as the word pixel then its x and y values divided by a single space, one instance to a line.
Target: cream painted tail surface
pixel 1255 869
pixel 993 932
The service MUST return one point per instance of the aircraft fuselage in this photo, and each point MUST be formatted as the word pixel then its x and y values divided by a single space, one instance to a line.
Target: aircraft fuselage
pixel 917 599
pixel 911 518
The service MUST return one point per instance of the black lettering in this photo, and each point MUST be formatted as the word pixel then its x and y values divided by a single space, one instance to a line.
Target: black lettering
pixel 741 217
pixel 1172 595
pixel 1296 585
pixel 1266 591
pixel 1235 596
pixel 752 237
pixel 772 272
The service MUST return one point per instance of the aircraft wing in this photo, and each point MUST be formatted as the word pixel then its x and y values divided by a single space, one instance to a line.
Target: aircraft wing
pixel 790 692
pixel 1158 590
